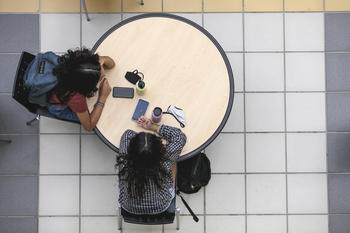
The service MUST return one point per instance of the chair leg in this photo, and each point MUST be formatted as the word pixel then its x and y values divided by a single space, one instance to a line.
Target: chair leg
pixel 85 9
pixel 37 118
pixel 177 214
pixel 119 218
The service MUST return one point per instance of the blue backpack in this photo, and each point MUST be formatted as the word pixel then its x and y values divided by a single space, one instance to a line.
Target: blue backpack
pixel 39 78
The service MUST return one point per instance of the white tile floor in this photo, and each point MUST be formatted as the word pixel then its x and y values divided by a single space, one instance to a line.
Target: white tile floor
pixel 268 164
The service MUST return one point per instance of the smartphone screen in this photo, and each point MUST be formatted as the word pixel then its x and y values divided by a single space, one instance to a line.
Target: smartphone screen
pixel 140 109
pixel 123 92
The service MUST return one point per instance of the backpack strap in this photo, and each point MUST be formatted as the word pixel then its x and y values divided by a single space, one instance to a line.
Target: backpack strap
pixel 194 216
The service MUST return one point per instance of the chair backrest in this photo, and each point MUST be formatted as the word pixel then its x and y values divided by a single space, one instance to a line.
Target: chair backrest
pixel 166 217
pixel 19 91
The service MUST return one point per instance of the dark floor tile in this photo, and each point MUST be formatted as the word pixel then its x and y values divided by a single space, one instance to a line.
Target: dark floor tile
pixel 338 71
pixel 20 156
pixel 339 193
pixel 13 117
pixel 19 32
pixel 339 223
pixel 338 112
pixel 338 147
pixel 18 225
pixel 8 67
pixel 337 31
pixel 18 195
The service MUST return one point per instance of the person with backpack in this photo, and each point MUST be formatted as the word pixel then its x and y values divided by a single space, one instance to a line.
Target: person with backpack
pixel 147 167
pixel 62 84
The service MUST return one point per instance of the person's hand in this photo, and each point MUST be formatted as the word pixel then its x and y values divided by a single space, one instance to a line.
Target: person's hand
pixel 107 62
pixel 145 123
pixel 104 90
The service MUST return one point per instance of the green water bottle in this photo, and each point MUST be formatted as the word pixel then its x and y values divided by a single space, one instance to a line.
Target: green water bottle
pixel 140 87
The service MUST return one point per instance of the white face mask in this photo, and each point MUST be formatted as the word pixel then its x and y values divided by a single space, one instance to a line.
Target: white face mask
pixel 178 113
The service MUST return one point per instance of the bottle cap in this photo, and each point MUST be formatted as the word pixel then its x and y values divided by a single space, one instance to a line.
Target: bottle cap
pixel 141 84
pixel 157 111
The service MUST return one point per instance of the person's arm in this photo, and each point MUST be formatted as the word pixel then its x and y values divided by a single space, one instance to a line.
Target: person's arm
pixel 175 137
pixel 106 62
pixel 89 121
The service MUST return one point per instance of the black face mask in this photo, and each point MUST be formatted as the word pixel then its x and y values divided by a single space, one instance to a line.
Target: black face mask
pixel 133 77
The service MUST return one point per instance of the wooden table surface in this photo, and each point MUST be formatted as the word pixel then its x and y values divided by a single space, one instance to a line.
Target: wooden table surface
pixel 183 66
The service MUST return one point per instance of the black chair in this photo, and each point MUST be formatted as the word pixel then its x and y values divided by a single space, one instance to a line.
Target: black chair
pixel 166 217
pixel 20 92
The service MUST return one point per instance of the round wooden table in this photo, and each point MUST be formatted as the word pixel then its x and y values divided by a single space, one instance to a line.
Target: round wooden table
pixel 183 66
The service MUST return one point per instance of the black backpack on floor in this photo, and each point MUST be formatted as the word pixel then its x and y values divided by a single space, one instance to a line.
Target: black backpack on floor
pixel 192 175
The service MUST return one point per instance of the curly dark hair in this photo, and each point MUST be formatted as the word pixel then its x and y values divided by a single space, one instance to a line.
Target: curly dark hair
pixel 77 72
pixel 143 162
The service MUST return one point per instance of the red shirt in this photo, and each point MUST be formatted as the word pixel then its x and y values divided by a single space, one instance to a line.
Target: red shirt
pixel 76 102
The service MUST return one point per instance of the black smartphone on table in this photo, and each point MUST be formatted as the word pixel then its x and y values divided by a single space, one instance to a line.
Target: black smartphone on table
pixel 123 92
pixel 140 109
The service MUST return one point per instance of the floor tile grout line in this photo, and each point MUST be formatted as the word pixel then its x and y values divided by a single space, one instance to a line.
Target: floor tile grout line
pixel 189 12
pixel 80 184
pixel 289 51
pixel 285 116
pixel 121 11
pixel 326 107
pixel 244 123
pixel 186 215
pixel 213 173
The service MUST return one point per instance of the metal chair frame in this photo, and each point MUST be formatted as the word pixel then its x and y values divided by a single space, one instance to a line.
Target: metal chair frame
pixel 120 218
pixel 87 13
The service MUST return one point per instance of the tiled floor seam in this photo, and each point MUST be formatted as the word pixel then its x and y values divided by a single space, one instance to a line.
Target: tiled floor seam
pixel 326 125
pixel 38 213
pixel 186 215
pixel 214 173
pixel 285 114
pixel 177 12
pixel 244 123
